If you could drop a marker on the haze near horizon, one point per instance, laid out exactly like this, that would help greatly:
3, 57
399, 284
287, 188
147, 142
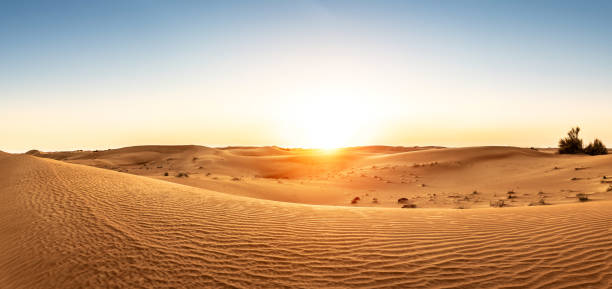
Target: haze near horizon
302, 73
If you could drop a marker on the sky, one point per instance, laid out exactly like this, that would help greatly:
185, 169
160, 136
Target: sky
108, 74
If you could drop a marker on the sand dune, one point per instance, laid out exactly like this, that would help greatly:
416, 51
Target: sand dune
71, 226
429, 177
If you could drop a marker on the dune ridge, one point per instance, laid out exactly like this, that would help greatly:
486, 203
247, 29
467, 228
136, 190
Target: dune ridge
71, 226
429, 177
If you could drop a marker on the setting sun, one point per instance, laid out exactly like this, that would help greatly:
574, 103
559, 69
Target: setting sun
327, 123
305, 144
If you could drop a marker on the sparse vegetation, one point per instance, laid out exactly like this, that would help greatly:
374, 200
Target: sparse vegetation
402, 201
497, 203
511, 194
182, 175
409, 206
596, 148
582, 197
165, 174
355, 200
541, 202
571, 144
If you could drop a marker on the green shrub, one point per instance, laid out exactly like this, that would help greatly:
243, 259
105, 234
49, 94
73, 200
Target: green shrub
571, 144
596, 148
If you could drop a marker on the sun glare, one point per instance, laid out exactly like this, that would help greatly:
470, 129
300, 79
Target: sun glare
326, 124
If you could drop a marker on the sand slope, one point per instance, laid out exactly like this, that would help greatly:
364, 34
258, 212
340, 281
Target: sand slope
71, 226
429, 177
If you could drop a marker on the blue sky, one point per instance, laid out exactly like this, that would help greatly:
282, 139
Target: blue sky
86, 74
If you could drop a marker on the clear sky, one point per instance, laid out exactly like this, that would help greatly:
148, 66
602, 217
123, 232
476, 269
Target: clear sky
106, 74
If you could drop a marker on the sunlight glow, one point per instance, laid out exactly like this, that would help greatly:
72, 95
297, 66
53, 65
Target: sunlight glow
326, 123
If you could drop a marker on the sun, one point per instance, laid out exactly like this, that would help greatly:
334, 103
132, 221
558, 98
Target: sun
326, 124
328, 133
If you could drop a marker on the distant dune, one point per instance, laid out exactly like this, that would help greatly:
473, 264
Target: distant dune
428, 177
71, 226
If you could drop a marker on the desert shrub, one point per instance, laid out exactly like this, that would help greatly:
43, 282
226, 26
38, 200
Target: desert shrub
497, 203
355, 200
596, 148
402, 201
541, 202
182, 175
409, 206
582, 197
511, 194
571, 144
165, 174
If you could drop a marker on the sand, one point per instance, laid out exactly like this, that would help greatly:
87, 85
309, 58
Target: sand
66, 225
428, 177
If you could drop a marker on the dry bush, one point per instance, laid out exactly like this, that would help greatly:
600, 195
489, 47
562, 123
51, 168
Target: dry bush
511, 195
541, 202
182, 175
582, 197
571, 144
596, 148
402, 201
497, 203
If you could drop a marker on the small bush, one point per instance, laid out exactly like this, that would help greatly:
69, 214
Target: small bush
497, 204
582, 197
165, 174
402, 201
596, 148
571, 144
409, 206
182, 175
541, 202
511, 195
355, 200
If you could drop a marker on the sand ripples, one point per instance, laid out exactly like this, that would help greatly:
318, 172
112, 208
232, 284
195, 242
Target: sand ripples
68, 226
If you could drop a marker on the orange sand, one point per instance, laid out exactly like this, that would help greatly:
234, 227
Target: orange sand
66, 225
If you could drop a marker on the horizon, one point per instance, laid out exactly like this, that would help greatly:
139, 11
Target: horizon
274, 146
303, 74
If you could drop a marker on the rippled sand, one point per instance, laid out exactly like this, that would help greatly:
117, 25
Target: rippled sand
71, 226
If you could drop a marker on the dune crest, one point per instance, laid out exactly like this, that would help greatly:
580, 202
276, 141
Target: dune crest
71, 226
428, 177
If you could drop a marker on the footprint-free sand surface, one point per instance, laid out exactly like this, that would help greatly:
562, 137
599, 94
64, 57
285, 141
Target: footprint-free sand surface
427, 177
65, 225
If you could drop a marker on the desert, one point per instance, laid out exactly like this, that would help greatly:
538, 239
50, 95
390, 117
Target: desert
312, 144
112, 219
